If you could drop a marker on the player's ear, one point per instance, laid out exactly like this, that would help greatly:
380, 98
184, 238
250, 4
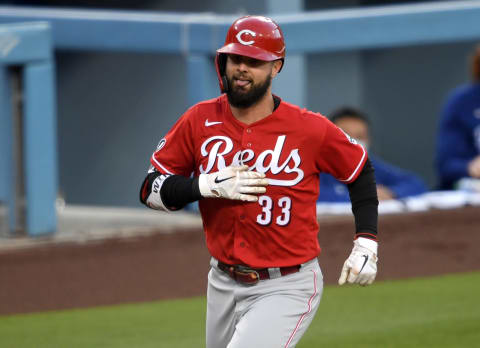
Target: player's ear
277, 65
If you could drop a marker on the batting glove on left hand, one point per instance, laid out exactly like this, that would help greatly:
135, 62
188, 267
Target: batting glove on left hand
361, 265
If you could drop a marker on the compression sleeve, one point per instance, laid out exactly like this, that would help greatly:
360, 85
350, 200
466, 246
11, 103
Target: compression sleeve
177, 191
168, 192
363, 195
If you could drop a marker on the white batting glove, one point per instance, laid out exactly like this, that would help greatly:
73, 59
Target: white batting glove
237, 183
361, 265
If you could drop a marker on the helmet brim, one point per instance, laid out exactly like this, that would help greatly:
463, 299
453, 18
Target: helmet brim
250, 51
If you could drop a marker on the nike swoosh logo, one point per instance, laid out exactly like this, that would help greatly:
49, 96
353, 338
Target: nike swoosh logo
213, 123
364, 263
219, 181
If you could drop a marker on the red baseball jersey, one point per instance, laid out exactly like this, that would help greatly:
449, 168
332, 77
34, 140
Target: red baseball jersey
291, 146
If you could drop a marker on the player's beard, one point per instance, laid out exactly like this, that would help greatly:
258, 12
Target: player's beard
239, 98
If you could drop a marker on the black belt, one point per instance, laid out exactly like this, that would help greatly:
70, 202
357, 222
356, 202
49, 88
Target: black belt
251, 276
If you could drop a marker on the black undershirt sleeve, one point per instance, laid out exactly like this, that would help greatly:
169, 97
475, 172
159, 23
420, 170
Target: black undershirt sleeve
363, 195
177, 191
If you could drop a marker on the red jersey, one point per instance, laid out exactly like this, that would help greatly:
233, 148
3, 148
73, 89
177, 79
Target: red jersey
291, 146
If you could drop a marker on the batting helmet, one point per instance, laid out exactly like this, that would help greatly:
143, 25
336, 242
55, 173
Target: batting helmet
252, 36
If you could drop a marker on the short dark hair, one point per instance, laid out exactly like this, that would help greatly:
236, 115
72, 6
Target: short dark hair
476, 64
348, 111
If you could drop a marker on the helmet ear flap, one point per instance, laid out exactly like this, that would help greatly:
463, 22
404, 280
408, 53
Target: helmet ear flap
220, 66
225, 84
283, 63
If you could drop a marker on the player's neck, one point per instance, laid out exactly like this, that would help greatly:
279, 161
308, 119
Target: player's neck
256, 112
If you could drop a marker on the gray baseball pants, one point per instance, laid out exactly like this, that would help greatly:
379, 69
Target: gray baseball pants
273, 313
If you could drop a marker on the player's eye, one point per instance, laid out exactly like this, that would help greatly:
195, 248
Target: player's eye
235, 59
253, 62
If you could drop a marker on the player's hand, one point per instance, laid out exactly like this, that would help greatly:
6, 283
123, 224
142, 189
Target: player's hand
384, 193
361, 265
237, 183
474, 167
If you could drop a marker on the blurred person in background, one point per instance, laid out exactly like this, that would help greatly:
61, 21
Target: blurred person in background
458, 138
392, 182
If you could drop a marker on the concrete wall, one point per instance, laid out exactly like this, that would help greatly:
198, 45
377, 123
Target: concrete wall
334, 79
404, 91
113, 108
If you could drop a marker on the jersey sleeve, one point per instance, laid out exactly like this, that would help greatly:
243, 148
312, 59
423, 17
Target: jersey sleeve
175, 152
340, 155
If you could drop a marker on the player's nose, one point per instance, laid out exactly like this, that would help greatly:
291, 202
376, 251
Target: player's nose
242, 65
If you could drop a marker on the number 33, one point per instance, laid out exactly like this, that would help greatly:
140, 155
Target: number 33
265, 218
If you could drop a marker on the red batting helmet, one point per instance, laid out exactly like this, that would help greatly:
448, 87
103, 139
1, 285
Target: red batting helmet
252, 36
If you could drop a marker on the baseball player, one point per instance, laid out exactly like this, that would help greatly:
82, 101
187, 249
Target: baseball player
252, 161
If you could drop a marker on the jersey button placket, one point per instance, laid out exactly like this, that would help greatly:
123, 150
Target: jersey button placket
241, 218
238, 241
246, 138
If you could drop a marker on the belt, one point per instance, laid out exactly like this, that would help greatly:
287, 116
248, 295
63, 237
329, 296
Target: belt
251, 276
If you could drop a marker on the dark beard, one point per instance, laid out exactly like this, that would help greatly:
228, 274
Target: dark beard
239, 99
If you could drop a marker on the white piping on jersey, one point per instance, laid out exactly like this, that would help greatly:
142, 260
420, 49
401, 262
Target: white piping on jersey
358, 166
158, 163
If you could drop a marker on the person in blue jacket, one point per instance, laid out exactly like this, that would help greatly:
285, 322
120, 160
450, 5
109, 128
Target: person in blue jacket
458, 137
392, 182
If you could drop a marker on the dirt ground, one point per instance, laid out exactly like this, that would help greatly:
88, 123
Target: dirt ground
175, 265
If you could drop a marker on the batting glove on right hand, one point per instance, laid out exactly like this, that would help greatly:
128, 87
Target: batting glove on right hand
361, 265
237, 183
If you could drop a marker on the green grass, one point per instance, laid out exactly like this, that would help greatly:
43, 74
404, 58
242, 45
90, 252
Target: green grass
427, 312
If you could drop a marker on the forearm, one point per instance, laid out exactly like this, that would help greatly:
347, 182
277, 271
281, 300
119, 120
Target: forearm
169, 192
363, 195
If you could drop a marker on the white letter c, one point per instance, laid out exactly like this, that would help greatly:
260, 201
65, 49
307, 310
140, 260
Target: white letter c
245, 31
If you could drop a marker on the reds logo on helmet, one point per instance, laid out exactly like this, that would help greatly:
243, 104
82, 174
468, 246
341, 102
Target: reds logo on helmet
245, 31
251, 36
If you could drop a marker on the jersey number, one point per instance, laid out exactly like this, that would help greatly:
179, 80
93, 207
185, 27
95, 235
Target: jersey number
265, 218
